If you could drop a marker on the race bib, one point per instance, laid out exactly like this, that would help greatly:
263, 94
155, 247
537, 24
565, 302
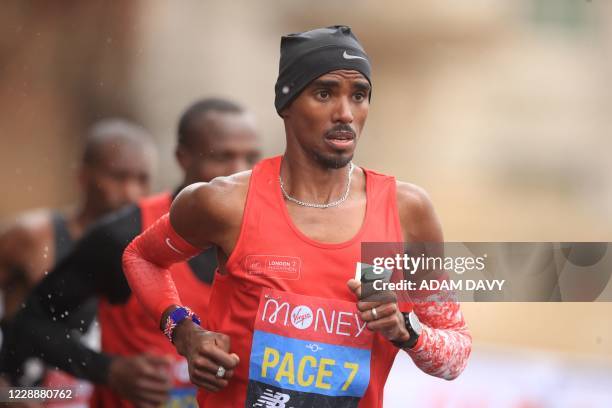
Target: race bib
182, 398
308, 352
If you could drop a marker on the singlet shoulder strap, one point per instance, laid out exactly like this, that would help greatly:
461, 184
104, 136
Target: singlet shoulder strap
383, 198
259, 195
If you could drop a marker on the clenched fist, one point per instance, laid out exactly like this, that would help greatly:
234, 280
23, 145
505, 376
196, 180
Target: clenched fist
381, 316
205, 352
143, 379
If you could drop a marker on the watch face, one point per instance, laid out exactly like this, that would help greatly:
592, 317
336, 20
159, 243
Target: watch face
415, 323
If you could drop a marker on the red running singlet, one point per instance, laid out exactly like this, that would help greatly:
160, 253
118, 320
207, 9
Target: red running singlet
286, 307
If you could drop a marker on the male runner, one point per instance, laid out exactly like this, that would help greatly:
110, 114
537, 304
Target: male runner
116, 169
283, 329
215, 137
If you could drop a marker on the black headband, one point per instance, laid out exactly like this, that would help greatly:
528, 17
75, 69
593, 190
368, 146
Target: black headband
308, 55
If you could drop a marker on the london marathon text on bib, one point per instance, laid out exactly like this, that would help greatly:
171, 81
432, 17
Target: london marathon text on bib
308, 352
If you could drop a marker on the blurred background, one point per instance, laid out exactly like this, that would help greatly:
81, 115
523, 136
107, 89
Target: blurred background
501, 110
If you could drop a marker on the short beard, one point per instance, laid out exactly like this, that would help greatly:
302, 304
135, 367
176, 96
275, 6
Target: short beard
332, 161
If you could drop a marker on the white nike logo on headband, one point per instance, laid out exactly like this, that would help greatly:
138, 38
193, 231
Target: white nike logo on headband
348, 56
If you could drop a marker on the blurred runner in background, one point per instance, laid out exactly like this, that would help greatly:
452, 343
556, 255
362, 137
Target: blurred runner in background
116, 169
216, 137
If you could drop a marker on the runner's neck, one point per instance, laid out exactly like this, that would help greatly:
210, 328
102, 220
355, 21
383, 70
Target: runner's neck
308, 181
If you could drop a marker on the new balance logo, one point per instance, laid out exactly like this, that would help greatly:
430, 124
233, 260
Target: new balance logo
271, 399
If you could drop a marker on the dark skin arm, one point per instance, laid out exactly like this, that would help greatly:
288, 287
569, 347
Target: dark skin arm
419, 224
218, 207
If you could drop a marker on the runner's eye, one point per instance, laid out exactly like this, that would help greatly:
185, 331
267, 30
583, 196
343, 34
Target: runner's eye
323, 94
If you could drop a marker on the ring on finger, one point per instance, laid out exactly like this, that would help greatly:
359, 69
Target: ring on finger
374, 313
220, 372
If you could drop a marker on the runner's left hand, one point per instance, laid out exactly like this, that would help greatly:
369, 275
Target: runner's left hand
389, 321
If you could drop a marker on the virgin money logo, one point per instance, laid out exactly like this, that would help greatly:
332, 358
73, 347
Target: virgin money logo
301, 317
320, 319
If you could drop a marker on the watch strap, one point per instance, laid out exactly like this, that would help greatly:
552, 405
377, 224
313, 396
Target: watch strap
414, 336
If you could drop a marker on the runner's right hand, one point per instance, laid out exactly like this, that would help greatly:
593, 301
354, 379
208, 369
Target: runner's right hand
205, 351
144, 379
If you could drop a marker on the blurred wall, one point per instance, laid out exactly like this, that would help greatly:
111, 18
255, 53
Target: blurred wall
501, 110
62, 66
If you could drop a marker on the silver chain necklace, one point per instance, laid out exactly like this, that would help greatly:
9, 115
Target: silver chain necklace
317, 205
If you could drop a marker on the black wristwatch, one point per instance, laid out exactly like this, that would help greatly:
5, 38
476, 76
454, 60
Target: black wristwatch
413, 325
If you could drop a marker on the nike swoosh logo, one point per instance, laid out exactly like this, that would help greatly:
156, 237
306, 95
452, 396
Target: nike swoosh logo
348, 56
172, 246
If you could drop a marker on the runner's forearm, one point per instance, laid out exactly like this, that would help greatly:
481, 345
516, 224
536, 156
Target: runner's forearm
59, 346
445, 343
146, 261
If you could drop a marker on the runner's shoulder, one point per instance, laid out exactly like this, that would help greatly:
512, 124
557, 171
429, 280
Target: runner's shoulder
218, 199
412, 198
417, 215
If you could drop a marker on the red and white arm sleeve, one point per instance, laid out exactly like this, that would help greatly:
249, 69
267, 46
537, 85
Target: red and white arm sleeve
146, 261
445, 343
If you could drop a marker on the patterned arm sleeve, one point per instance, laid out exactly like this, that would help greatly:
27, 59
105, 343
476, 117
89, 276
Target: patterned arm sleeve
445, 342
